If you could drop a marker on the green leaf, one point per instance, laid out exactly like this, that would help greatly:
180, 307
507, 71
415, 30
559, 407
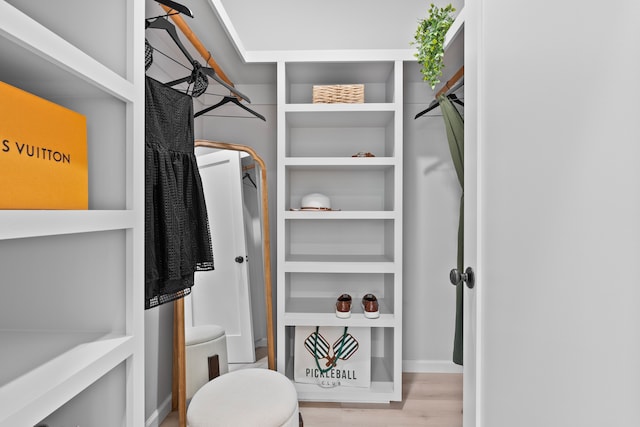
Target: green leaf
429, 40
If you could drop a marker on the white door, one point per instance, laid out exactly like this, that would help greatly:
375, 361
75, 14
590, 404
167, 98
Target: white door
222, 296
554, 312
470, 256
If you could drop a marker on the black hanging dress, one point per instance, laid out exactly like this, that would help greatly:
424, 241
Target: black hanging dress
177, 236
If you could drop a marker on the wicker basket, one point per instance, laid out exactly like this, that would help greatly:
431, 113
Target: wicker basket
338, 94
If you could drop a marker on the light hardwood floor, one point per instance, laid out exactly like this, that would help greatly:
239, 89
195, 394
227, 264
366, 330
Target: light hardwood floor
429, 400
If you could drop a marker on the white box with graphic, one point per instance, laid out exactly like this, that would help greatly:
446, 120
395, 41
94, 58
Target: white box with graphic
333, 356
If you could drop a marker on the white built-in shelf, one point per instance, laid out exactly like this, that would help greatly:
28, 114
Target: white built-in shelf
453, 48
344, 163
339, 115
340, 259
32, 40
338, 108
36, 48
455, 30
381, 389
35, 223
302, 310
26, 350
330, 319
356, 248
324, 72
72, 311
49, 367
341, 214
301, 264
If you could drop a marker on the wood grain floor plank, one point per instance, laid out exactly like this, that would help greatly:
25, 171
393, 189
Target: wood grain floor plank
429, 400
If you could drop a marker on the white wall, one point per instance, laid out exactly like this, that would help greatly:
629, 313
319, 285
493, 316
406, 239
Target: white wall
158, 362
431, 203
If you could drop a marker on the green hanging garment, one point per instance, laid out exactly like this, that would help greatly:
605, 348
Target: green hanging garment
454, 124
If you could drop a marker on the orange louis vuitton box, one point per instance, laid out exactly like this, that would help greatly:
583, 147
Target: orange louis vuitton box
43, 153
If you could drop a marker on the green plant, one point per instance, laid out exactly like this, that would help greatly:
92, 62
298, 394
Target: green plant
429, 39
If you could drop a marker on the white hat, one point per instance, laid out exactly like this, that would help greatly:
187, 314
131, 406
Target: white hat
315, 201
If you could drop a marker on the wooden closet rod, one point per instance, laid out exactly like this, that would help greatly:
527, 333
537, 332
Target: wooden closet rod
180, 23
453, 80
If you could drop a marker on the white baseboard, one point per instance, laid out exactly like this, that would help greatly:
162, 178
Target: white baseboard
156, 418
431, 366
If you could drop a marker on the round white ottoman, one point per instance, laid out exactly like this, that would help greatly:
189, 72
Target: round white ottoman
201, 343
254, 397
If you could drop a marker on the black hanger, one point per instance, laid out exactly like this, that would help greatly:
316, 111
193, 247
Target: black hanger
226, 100
162, 24
197, 78
435, 103
177, 7
455, 99
246, 175
211, 73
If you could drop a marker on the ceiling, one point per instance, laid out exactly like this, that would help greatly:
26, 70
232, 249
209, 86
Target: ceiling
278, 25
246, 37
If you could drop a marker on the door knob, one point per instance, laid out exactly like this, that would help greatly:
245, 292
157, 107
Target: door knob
239, 259
468, 277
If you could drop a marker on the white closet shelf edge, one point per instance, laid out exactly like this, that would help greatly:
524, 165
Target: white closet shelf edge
362, 107
28, 33
455, 30
343, 55
36, 394
16, 224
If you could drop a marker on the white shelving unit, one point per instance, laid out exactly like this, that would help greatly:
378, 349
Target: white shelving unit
358, 248
72, 306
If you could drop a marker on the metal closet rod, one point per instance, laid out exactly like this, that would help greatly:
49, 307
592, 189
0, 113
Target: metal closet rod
197, 44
